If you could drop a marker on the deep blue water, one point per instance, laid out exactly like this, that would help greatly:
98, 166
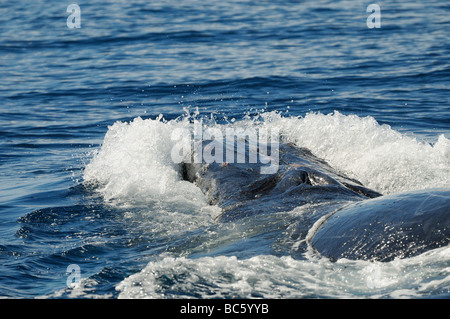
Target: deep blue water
61, 88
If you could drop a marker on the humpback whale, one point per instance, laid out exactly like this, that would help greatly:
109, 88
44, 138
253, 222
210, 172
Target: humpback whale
359, 224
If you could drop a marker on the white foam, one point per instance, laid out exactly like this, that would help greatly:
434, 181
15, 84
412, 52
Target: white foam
134, 164
380, 157
268, 276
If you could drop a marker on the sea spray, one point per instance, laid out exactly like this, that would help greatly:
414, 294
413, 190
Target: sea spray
135, 160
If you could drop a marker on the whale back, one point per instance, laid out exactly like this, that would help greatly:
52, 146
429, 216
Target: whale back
381, 229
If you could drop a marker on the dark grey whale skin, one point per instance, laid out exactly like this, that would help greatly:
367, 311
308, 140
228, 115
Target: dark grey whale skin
382, 229
241, 190
374, 227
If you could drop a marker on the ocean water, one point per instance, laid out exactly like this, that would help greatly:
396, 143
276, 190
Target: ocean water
86, 177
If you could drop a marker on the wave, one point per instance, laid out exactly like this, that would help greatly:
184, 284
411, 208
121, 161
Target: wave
134, 163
